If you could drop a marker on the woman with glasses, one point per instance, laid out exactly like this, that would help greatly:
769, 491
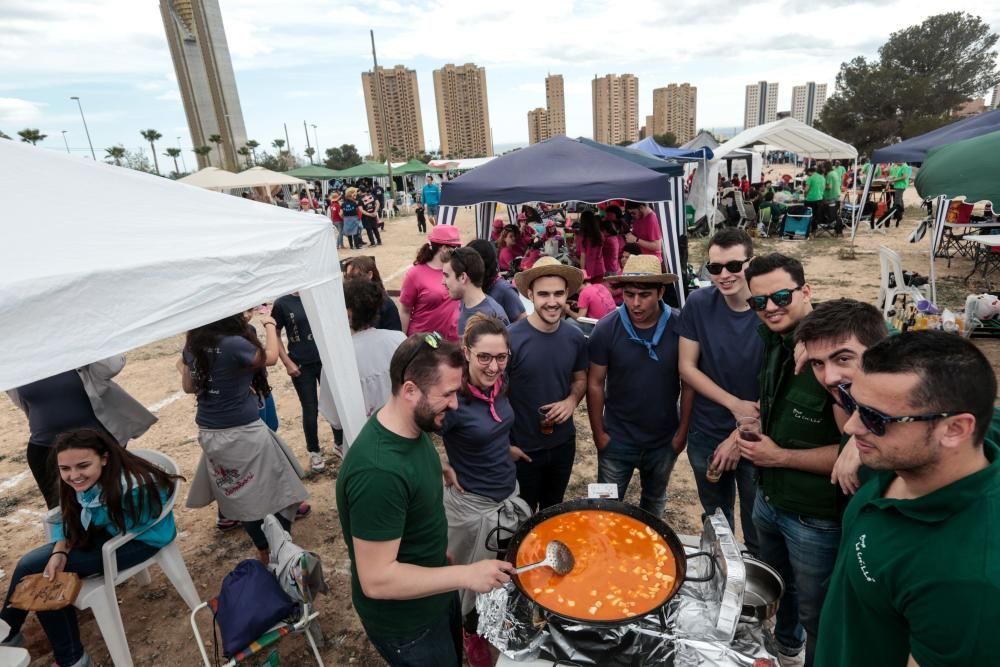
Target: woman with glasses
480, 476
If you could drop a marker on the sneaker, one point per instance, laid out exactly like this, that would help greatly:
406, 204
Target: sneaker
303, 510
317, 462
797, 660
85, 661
338, 449
222, 523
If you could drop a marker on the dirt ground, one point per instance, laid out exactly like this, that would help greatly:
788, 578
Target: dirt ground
155, 617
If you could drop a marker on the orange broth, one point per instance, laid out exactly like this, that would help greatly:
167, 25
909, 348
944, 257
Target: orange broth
622, 566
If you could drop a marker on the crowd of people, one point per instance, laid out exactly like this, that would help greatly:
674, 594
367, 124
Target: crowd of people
866, 465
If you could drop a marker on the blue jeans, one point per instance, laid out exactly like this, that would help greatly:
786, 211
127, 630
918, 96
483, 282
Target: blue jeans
617, 462
61, 625
438, 645
722, 494
803, 550
339, 226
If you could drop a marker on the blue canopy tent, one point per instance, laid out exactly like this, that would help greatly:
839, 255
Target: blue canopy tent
561, 169
649, 146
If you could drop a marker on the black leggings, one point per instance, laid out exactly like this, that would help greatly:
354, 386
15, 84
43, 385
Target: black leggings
371, 226
255, 529
44, 473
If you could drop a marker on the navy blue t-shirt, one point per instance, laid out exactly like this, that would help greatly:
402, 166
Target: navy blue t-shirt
289, 315
730, 353
349, 208
487, 307
229, 400
55, 405
541, 372
507, 296
640, 399
388, 317
478, 446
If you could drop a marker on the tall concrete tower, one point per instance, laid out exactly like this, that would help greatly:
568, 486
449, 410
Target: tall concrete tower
204, 69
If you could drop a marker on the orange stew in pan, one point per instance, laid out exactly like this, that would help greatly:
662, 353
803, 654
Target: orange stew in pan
623, 567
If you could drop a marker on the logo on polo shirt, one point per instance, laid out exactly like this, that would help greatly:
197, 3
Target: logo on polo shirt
799, 414
859, 548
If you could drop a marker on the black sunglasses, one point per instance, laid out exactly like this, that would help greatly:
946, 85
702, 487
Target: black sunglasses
781, 298
432, 339
735, 266
874, 420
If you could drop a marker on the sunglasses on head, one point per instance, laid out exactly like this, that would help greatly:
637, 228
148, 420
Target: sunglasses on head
873, 420
781, 298
432, 340
735, 266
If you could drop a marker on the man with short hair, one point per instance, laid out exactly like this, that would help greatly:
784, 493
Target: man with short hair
430, 196
645, 229
390, 501
720, 357
899, 179
368, 208
633, 386
815, 189
462, 275
548, 379
795, 513
915, 582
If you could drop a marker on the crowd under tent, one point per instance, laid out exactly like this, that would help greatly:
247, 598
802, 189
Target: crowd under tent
559, 170
95, 279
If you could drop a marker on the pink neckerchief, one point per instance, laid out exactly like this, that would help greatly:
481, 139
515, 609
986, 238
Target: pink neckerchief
474, 390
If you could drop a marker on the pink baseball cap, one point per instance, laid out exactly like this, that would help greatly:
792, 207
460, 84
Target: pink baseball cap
521, 216
445, 235
497, 223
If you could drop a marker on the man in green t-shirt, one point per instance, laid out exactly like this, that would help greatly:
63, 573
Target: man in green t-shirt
815, 187
831, 198
899, 179
391, 505
916, 578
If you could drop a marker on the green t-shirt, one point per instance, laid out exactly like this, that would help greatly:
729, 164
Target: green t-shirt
815, 185
917, 577
900, 176
832, 192
390, 487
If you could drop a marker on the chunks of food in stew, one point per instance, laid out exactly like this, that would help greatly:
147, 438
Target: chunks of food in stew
623, 567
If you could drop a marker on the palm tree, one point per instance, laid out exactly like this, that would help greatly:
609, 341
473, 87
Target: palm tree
116, 153
278, 144
253, 145
31, 135
174, 153
245, 152
217, 140
202, 151
309, 153
4, 135
152, 136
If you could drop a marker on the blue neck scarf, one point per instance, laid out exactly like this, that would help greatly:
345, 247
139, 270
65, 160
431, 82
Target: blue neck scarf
661, 325
89, 500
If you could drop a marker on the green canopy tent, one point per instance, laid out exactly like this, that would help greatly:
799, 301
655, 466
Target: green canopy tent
363, 170
970, 167
314, 172
414, 167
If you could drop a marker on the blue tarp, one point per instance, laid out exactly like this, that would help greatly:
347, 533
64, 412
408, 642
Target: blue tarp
668, 167
553, 171
650, 147
915, 149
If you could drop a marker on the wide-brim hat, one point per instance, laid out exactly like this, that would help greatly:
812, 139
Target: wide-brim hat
445, 235
979, 208
642, 269
549, 266
335, 195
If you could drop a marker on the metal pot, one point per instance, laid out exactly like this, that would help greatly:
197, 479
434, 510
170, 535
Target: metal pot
764, 588
670, 538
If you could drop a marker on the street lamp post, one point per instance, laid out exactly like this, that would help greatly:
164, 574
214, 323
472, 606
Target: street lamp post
183, 161
316, 140
85, 128
65, 142
371, 144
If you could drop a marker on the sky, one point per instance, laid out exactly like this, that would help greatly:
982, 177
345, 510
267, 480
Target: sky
301, 60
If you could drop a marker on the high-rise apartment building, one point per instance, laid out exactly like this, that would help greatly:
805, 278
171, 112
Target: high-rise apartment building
808, 101
616, 108
761, 104
538, 125
463, 111
198, 47
555, 105
674, 110
394, 120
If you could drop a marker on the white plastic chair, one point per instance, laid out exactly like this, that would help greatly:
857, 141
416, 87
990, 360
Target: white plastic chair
890, 264
97, 593
11, 656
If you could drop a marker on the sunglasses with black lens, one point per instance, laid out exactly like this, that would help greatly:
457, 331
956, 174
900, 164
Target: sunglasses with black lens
873, 420
735, 266
781, 298
432, 340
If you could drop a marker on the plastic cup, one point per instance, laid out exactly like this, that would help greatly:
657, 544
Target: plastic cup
546, 423
749, 428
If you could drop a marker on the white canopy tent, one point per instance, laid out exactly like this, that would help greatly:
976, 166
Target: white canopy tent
122, 259
259, 176
213, 178
461, 165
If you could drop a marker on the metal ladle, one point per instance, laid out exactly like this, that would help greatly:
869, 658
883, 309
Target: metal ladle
557, 556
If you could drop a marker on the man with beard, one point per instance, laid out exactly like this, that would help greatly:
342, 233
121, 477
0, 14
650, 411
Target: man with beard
548, 378
390, 501
915, 582
795, 513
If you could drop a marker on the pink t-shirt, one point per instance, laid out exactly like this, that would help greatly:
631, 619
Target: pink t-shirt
505, 257
597, 299
612, 252
591, 257
647, 228
432, 309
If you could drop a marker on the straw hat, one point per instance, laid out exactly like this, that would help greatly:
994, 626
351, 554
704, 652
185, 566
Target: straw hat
642, 269
549, 266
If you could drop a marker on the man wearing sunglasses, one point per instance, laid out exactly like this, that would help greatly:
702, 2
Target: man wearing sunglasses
391, 505
916, 578
795, 513
719, 356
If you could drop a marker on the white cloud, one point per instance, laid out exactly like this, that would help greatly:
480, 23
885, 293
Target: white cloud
15, 111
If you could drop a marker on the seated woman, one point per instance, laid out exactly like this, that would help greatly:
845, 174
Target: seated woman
103, 491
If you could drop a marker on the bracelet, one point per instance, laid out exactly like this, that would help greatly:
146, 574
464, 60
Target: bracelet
59, 553
272, 324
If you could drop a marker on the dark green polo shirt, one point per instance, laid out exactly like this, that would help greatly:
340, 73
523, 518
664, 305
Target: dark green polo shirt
797, 413
918, 577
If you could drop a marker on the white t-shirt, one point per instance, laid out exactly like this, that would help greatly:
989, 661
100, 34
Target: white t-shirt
373, 350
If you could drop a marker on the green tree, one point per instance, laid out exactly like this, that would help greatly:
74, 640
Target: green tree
174, 153
342, 157
279, 144
116, 153
202, 152
667, 139
152, 136
253, 146
245, 153
309, 153
4, 135
622, 143
217, 140
921, 74
30, 135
